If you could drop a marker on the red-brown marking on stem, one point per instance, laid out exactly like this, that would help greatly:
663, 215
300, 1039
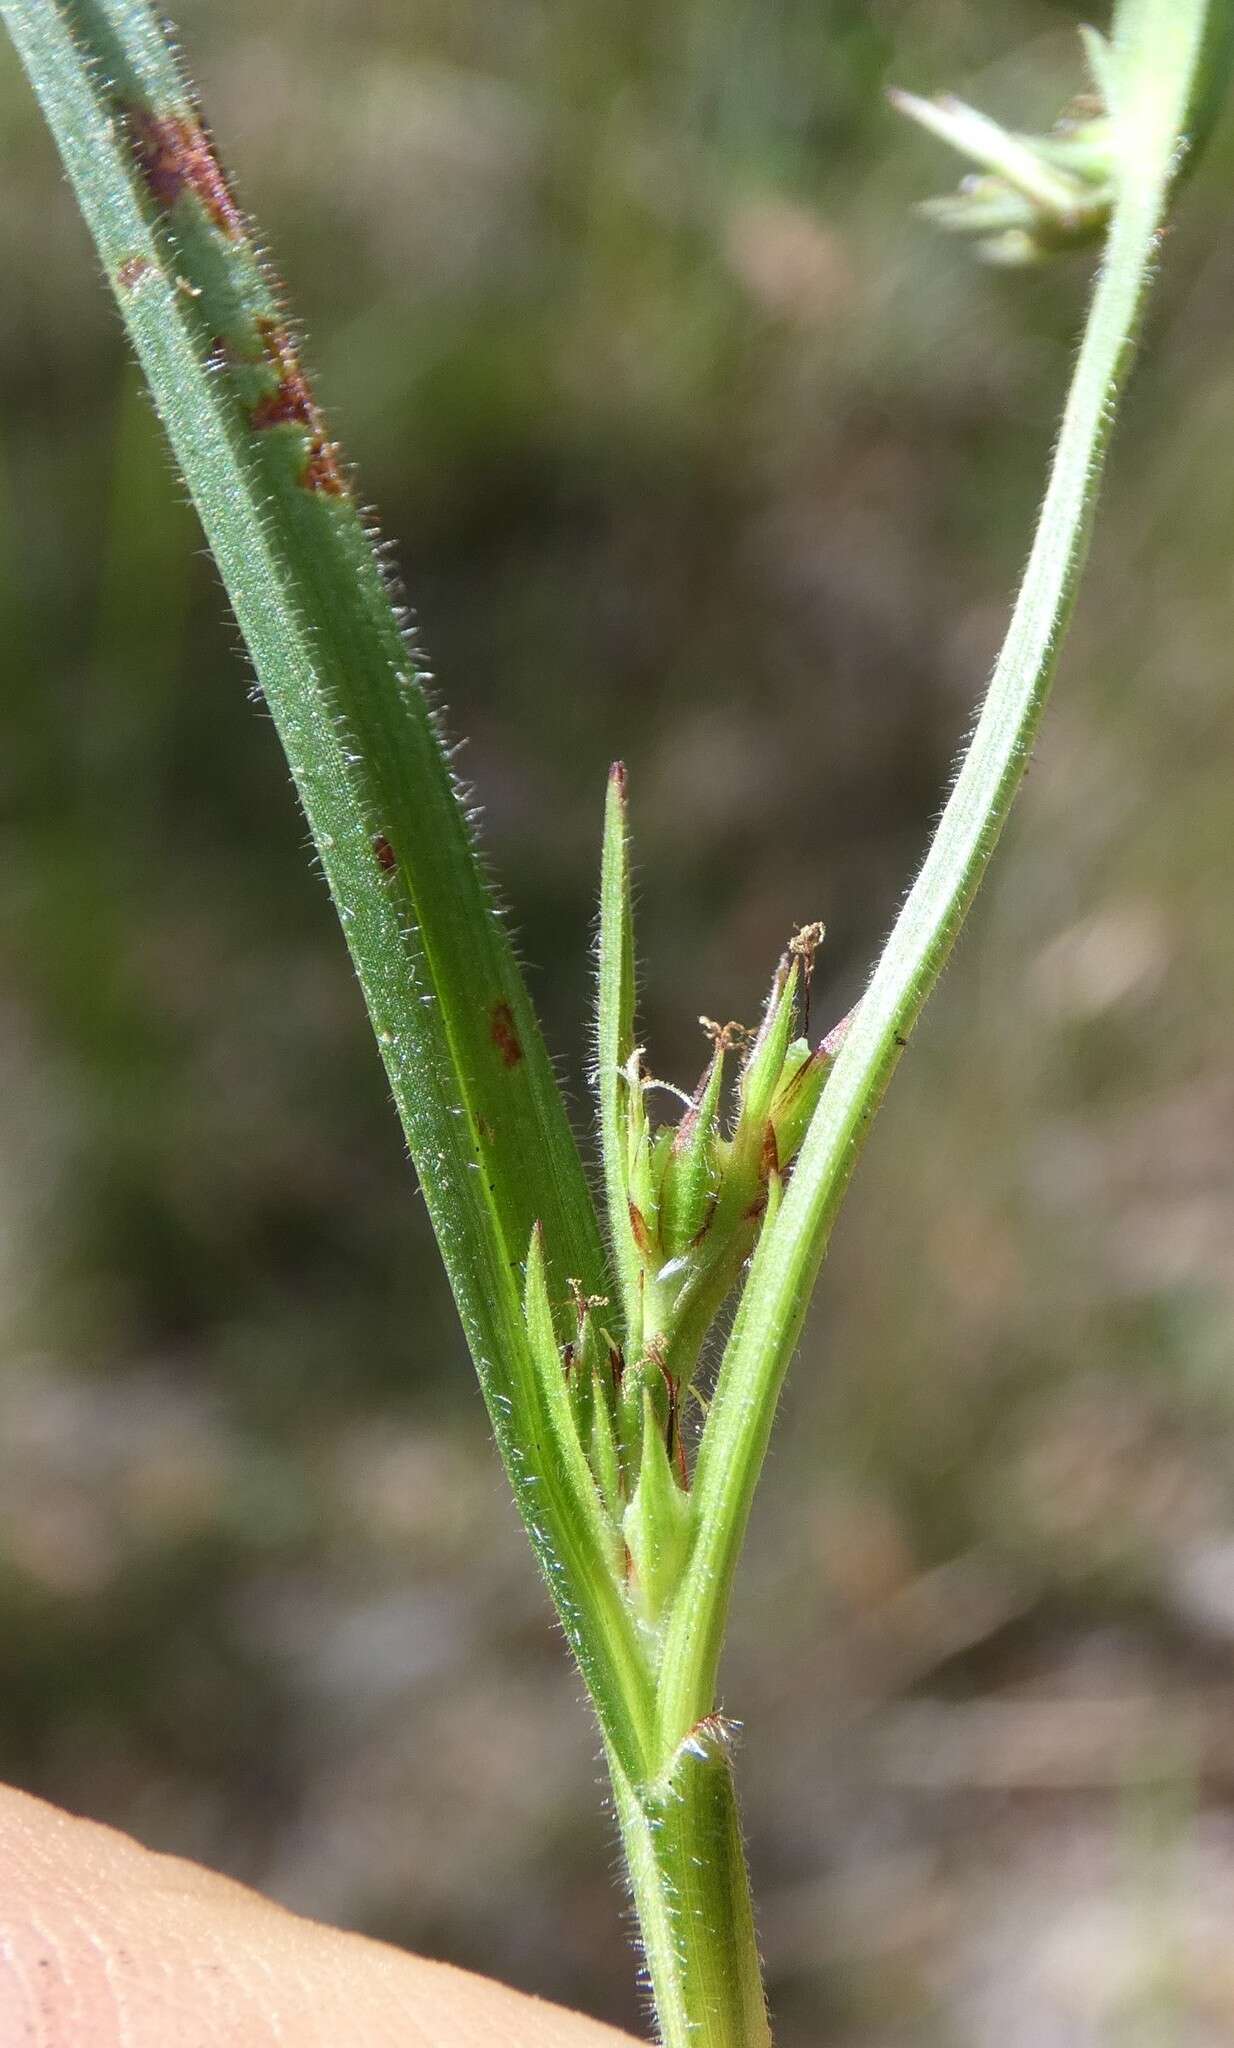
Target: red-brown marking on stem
387, 859
291, 404
673, 1441
684, 1134
770, 1162
707, 1737
131, 272
176, 157
701, 1233
503, 1031
639, 1230
837, 1035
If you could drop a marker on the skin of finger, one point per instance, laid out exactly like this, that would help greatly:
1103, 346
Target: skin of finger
104, 1944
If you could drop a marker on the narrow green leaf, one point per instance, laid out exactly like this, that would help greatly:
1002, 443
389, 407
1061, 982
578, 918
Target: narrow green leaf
549, 1441
1099, 58
469, 1072
547, 1357
617, 1081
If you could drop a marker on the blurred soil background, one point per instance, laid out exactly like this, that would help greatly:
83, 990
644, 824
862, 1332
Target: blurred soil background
699, 449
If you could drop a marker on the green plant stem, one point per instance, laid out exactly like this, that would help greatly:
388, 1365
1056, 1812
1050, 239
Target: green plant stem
1157, 49
687, 1868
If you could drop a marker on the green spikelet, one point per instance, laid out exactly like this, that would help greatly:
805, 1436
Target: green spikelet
656, 1524
764, 1067
691, 1170
622, 1120
797, 1097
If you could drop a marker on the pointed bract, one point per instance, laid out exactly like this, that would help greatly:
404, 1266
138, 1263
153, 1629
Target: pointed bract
691, 1167
616, 1055
797, 1098
605, 1462
764, 1066
538, 1316
656, 1525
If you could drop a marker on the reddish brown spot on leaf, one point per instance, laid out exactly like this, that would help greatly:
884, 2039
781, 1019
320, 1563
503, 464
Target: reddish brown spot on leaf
321, 472
386, 856
131, 272
291, 404
176, 157
504, 1033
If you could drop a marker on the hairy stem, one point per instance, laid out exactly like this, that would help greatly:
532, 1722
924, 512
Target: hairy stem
1156, 53
687, 1870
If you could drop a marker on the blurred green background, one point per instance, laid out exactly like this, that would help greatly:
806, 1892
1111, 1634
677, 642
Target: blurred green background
699, 449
